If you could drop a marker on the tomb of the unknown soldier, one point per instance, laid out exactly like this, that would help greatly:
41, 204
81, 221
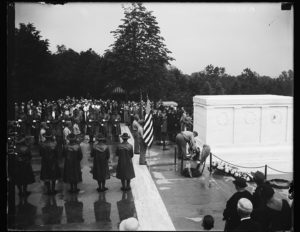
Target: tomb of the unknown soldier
249, 130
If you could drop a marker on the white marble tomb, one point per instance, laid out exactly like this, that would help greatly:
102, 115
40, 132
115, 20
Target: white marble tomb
248, 130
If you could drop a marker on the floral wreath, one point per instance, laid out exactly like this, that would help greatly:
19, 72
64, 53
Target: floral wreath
230, 170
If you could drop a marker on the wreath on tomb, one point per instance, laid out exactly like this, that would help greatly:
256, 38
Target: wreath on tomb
222, 168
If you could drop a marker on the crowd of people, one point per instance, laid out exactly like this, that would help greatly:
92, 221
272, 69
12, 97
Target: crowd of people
260, 211
66, 129
94, 116
71, 128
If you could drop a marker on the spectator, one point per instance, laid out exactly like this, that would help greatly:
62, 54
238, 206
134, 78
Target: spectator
67, 130
76, 129
244, 209
230, 213
135, 127
43, 129
276, 214
208, 222
259, 179
129, 224
164, 128
142, 144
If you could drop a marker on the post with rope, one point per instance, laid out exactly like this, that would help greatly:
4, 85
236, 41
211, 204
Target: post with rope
181, 166
175, 155
210, 163
266, 167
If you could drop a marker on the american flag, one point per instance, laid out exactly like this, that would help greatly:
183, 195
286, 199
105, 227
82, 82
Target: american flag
148, 126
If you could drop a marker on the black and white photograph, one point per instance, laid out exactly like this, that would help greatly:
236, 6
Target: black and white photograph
150, 116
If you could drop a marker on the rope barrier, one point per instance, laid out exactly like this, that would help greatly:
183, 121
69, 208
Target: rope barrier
277, 170
235, 164
249, 167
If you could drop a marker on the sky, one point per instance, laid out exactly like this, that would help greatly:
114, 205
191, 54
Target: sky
259, 36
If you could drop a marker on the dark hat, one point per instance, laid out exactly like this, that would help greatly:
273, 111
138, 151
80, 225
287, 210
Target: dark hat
71, 137
240, 182
258, 176
48, 134
100, 137
125, 136
267, 191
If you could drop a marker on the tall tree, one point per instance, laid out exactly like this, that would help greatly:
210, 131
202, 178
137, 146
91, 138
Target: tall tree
140, 54
207, 89
32, 62
219, 88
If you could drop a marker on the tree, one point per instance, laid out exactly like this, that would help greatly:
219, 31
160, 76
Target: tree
236, 87
32, 62
140, 56
249, 81
219, 88
207, 89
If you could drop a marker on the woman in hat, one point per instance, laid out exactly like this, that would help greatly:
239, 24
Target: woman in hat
23, 174
260, 180
50, 170
276, 214
101, 154
72, 169
230, 213
125, 171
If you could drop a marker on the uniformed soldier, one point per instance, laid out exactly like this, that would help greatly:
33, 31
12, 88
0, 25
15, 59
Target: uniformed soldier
101, 154
23, 173
49, 165
72, 168
125, 171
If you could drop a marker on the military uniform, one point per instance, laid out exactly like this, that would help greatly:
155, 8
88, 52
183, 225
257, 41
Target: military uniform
101, 154
23, 173
72, 169
50, 171
125, 169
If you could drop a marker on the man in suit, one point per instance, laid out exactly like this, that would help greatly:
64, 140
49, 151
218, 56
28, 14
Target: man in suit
230, 214
244, 209
182, 139
135, 127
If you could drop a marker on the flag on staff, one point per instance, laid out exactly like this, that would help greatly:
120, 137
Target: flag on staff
148, 126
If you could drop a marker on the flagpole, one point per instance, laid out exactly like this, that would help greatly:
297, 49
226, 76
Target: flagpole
149, 158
